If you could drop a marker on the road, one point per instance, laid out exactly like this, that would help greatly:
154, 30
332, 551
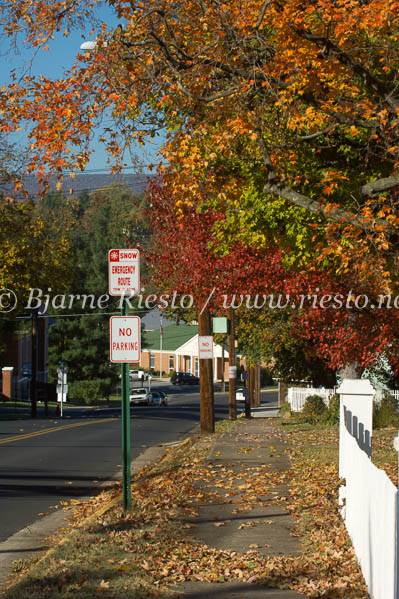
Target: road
44, 462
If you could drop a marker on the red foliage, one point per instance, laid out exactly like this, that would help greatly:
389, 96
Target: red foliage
323, 309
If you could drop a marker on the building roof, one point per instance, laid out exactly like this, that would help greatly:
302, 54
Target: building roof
174, 336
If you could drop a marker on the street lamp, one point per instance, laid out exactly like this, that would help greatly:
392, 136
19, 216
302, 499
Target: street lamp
88, 46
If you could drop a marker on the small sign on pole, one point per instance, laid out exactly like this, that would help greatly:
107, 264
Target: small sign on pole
125, 339
205, 347
232, 372
123, 272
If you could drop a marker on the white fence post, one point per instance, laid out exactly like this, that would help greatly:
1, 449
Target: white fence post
371, 509
396, 446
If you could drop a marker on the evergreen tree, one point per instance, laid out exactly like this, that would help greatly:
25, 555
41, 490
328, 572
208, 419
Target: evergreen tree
105, 220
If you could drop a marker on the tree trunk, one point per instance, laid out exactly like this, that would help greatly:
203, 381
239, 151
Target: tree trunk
350, 371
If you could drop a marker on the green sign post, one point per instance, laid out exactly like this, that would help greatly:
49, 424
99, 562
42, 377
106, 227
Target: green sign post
124, 281
126, 470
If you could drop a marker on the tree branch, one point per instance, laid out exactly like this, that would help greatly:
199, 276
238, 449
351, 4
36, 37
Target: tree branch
262, 14
276, 187
344, 58
380, 185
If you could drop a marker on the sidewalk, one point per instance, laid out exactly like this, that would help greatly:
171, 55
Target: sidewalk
208, 521
251, 515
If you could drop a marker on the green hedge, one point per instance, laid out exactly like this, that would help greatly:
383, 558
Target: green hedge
385, 413
89, 391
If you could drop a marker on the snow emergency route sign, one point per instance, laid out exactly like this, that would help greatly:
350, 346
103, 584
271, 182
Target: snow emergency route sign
125, 338
123, 272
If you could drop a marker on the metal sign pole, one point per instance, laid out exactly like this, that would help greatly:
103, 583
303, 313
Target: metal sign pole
124, 282
62, 386
126, 470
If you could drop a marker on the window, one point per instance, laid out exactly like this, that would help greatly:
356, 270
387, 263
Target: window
152, 361
189, 364
196, 366
171, 362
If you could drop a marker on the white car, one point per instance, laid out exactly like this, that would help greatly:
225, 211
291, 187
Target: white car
137, 375
241, 393
141, 396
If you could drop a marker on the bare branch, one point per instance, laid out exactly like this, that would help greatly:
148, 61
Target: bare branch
262, 14
318, 134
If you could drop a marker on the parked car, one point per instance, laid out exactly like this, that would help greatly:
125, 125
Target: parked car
241, 393
137, 375
159, 398
184, 378
141, 396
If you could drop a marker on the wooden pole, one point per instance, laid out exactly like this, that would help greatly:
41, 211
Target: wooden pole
33, 394
232, 364
251, 379
257, 385
248, 394
222, 377
207, 416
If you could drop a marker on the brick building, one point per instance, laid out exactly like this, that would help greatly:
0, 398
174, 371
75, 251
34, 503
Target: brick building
179, 351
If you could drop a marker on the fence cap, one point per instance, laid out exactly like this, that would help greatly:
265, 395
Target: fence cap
8, 368
356, 387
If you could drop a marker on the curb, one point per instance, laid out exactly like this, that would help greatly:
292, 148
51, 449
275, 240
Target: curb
102, 510
53, 523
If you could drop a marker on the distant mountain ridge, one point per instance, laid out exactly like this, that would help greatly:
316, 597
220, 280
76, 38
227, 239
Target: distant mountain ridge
89, 182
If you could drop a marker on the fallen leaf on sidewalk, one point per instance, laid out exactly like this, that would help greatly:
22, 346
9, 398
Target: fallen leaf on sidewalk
103, 585
218, 524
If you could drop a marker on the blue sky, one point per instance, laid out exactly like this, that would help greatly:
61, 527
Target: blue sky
61, 56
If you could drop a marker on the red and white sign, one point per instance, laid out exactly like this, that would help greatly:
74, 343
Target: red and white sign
205, 347
125, 338
123, 272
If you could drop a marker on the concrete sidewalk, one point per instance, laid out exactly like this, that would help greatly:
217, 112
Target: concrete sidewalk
251, 464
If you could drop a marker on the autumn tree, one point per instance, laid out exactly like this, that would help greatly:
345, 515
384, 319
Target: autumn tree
310, 91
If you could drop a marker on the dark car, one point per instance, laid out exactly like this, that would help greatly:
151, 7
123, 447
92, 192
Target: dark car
159, 398
184, 378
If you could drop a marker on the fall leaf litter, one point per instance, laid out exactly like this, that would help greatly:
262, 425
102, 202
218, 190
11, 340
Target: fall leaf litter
255, 486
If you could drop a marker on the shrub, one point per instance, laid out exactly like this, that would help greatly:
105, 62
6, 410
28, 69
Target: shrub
386, 413
285, 411
90, 391
332, 413
314, 409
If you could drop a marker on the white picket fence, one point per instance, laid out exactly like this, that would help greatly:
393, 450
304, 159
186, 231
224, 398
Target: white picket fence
395, 393
370, 507
297, 396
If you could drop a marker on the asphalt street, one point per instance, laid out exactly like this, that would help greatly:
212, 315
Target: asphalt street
44, 462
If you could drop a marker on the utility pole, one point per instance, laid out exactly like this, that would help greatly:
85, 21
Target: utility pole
160, 345
257, 385
232, 368
32, 390
251, 380
207, 416
222, 377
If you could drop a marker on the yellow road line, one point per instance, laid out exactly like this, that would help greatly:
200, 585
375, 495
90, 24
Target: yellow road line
53, 430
